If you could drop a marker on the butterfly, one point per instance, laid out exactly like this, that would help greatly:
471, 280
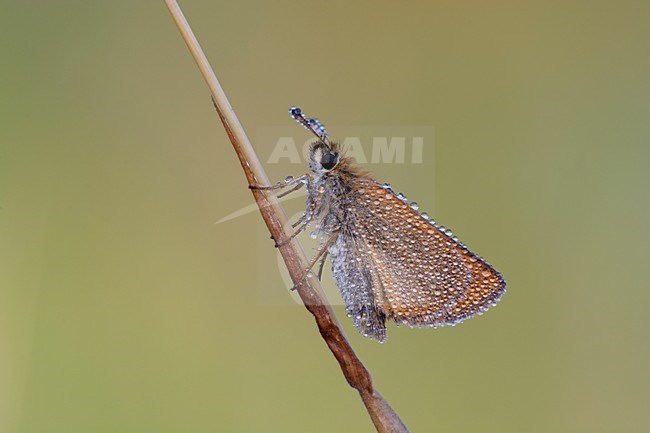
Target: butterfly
389, 261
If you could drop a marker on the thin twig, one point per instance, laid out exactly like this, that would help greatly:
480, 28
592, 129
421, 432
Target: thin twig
382, 415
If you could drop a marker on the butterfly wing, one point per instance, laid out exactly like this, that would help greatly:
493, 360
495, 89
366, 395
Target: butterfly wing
390, 262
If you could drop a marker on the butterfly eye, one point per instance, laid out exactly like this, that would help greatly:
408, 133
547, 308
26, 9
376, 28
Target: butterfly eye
328, 160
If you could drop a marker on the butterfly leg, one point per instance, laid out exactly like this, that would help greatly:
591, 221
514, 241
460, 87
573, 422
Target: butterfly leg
321, 254
303, 222
322, 264
300, 221
295, 188
300, 180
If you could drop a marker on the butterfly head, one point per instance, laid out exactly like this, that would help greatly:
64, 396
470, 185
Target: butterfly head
323, 157
323, 154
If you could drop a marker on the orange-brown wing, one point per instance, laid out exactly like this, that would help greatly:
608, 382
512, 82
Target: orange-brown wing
418, 273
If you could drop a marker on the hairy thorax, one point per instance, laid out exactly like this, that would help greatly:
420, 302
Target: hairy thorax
327, 197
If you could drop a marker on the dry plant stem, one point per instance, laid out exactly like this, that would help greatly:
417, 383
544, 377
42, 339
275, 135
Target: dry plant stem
382, 415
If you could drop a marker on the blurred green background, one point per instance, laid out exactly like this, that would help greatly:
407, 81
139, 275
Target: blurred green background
124, 308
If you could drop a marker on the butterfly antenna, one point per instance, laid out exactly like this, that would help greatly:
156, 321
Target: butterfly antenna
310, 124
